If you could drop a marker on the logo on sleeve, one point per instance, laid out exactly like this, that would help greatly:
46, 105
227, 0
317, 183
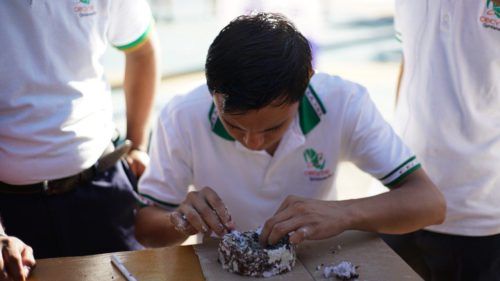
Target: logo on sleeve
316, 165
84, 8
491, 15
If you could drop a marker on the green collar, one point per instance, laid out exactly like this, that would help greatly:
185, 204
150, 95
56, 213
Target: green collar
310, 111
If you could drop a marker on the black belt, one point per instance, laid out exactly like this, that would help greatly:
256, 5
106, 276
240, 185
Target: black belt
59, 186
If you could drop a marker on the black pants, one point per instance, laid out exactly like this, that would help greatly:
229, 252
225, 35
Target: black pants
91, 219
442, 257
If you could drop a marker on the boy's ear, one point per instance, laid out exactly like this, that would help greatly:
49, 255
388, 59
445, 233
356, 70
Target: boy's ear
218, 100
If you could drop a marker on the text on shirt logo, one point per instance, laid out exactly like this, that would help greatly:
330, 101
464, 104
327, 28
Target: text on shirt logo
315, 165
84, 8
491, 15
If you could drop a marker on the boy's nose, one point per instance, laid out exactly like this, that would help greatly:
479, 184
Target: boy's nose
253, 141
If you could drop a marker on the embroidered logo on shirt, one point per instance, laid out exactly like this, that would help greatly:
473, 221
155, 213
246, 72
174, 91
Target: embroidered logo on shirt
491, 15
315, 165
84, 8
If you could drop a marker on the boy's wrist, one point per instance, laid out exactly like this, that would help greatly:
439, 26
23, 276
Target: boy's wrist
351, 216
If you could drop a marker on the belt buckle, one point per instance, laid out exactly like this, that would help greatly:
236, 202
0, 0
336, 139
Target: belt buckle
46, 186
48, 189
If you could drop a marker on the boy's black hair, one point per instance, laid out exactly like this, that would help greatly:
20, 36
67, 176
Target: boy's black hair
258, 60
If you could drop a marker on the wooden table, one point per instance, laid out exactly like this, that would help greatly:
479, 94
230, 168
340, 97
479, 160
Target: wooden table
377, 261
169, 263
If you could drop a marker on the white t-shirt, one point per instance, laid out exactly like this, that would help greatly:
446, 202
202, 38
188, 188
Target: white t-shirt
336, 121
55, 104
449, 107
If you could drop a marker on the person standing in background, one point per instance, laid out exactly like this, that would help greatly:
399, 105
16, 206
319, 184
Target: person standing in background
448, 112
63, 189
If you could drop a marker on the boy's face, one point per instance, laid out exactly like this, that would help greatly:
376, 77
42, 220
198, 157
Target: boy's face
258, 129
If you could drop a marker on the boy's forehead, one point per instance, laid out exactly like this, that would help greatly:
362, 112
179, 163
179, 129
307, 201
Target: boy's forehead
278, 105
262, 119
219, 100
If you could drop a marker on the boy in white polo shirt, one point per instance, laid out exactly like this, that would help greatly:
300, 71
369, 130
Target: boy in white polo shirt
265, 131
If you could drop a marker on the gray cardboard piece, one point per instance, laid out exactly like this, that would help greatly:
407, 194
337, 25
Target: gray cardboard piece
375, 260
212, 270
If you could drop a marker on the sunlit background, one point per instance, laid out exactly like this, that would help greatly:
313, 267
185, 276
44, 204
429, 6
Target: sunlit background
352, 39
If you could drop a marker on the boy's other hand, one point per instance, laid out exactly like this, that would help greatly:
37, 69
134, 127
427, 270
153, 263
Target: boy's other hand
137, 160
303, 219
202, 211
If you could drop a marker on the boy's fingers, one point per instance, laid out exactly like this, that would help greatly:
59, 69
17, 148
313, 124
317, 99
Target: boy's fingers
12, 261
26, 271
3, 274
27, 256
209, 216
284, 228
194, 218
220, 209
300, 235
271, 224
181, 224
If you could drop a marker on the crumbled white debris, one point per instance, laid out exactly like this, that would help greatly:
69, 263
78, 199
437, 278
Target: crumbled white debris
259, 230
344, 270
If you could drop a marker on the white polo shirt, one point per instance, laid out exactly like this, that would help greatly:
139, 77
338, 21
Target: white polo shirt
55, 104
336, 121
449, 107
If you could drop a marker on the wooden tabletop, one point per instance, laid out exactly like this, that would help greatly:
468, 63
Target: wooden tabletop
169, 263
376, 260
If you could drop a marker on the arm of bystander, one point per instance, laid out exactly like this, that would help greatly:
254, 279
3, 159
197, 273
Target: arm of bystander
141, 81
16, 259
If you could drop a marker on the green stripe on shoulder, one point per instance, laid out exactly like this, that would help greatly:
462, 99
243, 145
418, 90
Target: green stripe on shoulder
317, 98
139, 40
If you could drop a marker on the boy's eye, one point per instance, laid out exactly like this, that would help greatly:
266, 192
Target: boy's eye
234, 127
273, 129
266, 131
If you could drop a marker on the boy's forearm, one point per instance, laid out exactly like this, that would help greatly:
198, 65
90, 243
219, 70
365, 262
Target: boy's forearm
142, 78
154, 229
416, 203
400, 77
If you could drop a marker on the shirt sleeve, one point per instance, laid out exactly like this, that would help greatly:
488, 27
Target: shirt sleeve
373, 145
167, 178
130, 24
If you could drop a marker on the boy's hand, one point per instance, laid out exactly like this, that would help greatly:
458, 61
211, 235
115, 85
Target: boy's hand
304, 219
16, 259
137, 160
202, 211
